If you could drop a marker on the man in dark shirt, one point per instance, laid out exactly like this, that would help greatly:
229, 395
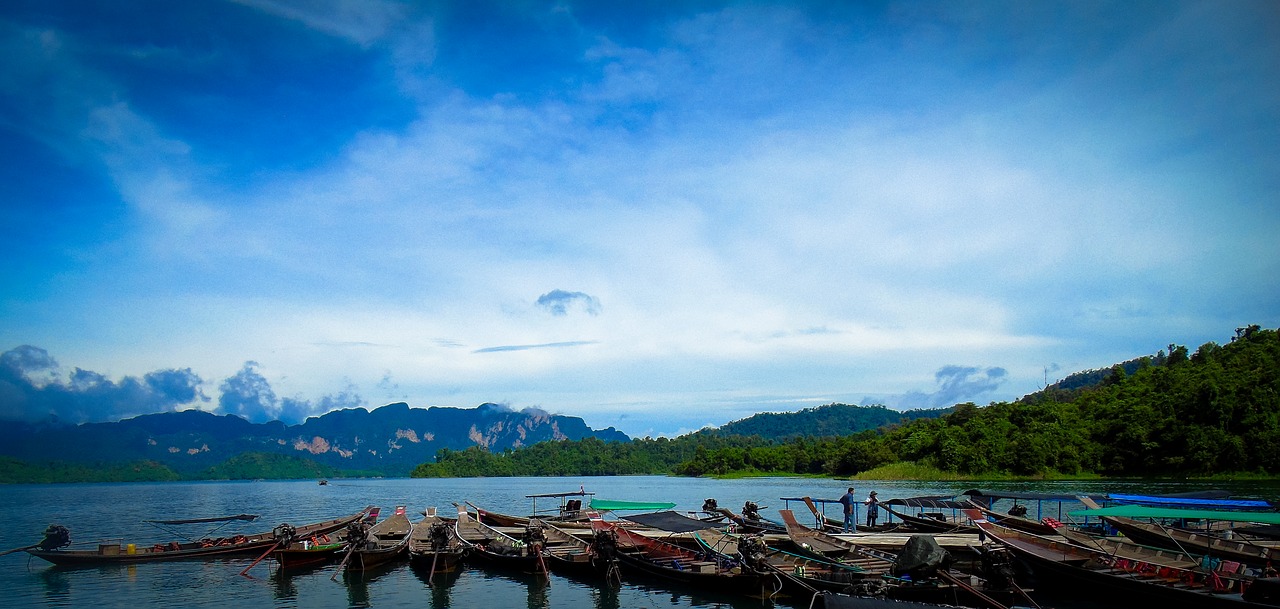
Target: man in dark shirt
850, 513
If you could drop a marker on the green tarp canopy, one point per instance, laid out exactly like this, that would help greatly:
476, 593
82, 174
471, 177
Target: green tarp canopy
604, 505
1142, 511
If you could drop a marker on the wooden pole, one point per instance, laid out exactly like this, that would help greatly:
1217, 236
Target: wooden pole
19, 549
343, 564
435, 555
264, 555
970, 589
545, 571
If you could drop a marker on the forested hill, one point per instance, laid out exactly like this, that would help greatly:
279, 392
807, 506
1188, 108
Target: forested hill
1213, 411
822, 421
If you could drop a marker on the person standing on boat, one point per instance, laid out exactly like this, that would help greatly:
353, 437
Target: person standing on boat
850, 502
873, 509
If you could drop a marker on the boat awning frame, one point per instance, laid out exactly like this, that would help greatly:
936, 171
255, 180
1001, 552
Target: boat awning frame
1142, 511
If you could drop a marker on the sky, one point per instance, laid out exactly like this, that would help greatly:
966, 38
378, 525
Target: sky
654, 216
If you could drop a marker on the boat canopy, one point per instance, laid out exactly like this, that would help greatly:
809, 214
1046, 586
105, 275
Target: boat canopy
605, 505
1142, 511
937, 502
1211, 503
670, 521
815, 500
578, 493
1026, 496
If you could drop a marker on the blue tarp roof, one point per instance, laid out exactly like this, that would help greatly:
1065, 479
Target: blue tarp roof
1192, 502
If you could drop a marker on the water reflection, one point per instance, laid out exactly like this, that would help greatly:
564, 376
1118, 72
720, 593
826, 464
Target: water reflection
57, 586
357, 583
606, 597
439, 585
283, 587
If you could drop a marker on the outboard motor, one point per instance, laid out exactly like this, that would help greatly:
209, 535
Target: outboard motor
55, 536
709, 505
752, 550
284, 534
357, 534
535, 538
439, 534
1018, 510
997, 568
751, 511
604, 545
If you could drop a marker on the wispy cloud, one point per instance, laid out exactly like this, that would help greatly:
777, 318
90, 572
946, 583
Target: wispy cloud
502, 348
560, 302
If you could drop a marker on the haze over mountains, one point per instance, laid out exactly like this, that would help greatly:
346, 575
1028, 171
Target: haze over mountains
390, 440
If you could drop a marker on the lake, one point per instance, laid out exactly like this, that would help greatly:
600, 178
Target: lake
96, 512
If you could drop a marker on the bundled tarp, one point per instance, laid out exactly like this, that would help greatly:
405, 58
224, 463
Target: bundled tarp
1142, 511
921, 557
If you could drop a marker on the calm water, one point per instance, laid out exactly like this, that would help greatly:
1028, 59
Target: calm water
113, 511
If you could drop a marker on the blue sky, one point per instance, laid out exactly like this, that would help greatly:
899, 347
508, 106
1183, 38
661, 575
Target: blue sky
656, 218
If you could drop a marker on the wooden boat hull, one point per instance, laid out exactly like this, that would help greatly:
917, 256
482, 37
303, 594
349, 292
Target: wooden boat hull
653, 558
486, 544
444, 554
445, 561
1200, 543
1014, 522
297, 557
363, 560
930, 525
566, 553
388, 541
1063, 565
117, 554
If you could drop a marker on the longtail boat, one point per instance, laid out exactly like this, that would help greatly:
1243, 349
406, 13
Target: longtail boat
1061, 563
639, 554
1124, 518
838, 561
813, 572
929, 513
115, 553
435, 545
369, 546
1120, 548
569, 511
303, 553
749, 521
1027, 511
565, 552
486, 543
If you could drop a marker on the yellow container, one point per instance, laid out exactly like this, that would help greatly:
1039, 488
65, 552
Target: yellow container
131, 549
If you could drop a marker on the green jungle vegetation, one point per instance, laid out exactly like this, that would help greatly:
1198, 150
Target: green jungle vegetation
1212, 412
247, 466
13, 471
252, 466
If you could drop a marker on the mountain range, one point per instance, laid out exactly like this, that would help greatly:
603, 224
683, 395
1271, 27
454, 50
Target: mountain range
389, 440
